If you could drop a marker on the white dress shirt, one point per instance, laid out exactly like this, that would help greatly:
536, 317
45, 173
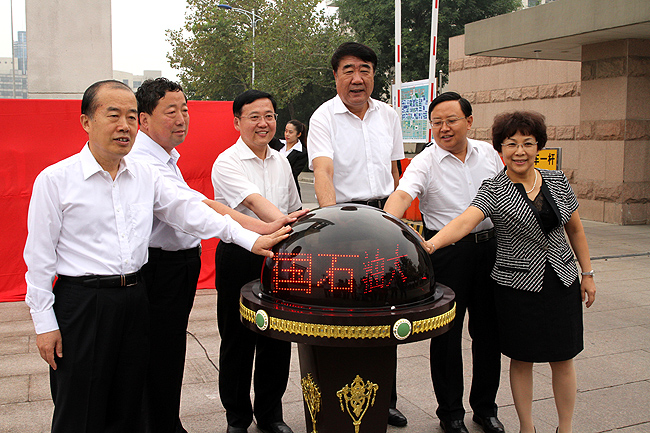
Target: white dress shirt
445, 185
361, 150
238, 173
297, 147
147, 151
82, 222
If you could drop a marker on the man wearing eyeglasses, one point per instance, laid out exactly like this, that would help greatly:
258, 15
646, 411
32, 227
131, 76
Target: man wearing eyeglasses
255, 180
355, 143
172, 271
446, 177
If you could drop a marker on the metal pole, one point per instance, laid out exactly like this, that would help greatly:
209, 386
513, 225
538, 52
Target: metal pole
254, 20
13, 56
253, 72
432, 59
398, 57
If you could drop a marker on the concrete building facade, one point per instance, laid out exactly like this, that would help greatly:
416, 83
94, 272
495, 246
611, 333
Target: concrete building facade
134, 81
69, 46
13, 84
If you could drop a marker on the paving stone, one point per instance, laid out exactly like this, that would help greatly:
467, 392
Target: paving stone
13, 312
14, 345
39, 387
14, 389
24, 363
31, 417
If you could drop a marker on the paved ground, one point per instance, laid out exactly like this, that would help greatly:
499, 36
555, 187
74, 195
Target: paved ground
613, 370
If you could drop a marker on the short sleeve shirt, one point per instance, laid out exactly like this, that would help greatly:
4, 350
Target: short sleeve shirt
238, 173
361, 149
446, 185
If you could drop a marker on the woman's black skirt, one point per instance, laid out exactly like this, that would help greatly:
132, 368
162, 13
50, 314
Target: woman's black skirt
544, 326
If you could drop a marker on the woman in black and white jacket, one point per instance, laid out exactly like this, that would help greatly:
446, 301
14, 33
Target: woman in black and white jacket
539, 296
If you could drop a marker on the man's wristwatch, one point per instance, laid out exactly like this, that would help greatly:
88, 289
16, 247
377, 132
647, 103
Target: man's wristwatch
588, 274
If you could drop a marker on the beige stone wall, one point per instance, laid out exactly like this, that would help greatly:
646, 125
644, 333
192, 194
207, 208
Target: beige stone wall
605, 141
497, 84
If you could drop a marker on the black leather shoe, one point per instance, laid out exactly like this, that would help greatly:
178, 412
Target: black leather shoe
490, 424
396, 418
232, 429
455, 426
275, 427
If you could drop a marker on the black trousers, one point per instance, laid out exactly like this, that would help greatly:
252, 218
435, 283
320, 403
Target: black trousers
97, 386
171, 278
234, 268
465, 267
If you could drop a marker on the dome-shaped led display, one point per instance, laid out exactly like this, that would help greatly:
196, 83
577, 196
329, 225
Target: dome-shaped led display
349, 256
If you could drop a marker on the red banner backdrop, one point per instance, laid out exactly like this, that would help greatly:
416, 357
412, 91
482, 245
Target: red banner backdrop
38, 133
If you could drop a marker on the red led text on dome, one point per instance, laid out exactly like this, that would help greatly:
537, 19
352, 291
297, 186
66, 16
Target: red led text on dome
293, 272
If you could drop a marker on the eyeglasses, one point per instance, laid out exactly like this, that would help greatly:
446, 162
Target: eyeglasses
437, 123
526, 145
255, 118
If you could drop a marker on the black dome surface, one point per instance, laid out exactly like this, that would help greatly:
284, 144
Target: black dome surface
349, 256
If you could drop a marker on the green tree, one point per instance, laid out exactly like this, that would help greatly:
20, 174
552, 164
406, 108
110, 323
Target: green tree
372, 22
293, 44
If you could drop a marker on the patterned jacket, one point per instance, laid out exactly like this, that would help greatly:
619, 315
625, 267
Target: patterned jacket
522, 246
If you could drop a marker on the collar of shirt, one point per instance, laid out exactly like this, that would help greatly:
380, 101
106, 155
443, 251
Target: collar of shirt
90, 166
149, 146
244, 152
340, 108
297, 147
440, 153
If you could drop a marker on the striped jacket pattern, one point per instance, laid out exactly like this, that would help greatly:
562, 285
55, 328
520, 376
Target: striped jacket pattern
522, 246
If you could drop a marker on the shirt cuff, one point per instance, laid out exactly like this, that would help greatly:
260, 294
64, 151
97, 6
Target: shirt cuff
45, 321
246, 238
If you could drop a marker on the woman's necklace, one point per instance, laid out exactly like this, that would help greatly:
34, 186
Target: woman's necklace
534, 183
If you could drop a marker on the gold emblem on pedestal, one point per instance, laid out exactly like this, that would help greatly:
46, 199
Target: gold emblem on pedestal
311, 393
357, 398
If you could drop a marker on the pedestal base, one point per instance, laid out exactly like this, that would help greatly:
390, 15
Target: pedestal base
347, 389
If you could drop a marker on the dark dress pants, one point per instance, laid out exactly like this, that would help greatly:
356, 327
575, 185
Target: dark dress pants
234, 268
171, 278
465, 267
97, 386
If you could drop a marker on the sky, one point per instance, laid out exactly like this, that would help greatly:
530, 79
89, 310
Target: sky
138, 43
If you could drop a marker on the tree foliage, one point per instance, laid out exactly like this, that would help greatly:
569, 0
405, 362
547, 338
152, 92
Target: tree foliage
373, 23
293, 44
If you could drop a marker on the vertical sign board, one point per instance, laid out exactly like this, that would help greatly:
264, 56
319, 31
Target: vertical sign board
415, 105
549, 158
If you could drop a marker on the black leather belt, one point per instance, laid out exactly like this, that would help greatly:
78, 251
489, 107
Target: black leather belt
190, 253
375, 202
476, 238
103, 281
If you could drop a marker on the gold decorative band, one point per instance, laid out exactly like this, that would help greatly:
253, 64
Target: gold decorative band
351, 332
436, 322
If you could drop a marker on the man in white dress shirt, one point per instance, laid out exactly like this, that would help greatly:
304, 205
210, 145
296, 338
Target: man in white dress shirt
355, 141
445, 177
355, 144
89, 222
172, 272
256, 180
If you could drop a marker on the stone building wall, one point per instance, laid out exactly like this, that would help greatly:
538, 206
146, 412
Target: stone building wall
591, 159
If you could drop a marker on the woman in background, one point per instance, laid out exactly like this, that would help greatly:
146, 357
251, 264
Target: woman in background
295, 147
539, 295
